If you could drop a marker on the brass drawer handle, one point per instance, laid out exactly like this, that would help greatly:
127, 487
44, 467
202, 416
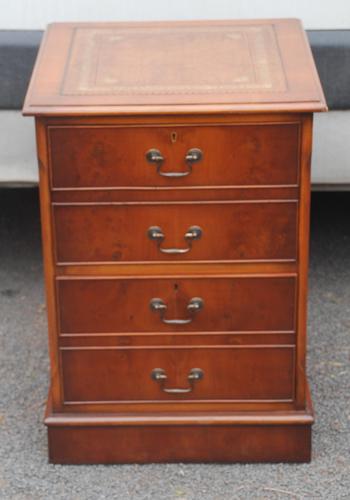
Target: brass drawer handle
194, 306
159, 375
154, 156
193, 233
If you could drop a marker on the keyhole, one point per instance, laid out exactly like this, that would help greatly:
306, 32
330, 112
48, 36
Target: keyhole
173, 137
176, 287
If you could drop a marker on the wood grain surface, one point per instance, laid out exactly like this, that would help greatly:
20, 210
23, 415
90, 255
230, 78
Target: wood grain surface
233, 155
230, 231
109, 305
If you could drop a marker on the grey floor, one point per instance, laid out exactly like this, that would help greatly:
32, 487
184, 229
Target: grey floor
24, 471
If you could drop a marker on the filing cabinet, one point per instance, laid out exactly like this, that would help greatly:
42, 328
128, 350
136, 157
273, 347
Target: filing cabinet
174, 164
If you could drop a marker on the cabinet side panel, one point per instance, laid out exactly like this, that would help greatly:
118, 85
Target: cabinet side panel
303, 257
47, 245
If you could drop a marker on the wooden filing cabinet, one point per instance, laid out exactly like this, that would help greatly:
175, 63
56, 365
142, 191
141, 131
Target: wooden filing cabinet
174, 166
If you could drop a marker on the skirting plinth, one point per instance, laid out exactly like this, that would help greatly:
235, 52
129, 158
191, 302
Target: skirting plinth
196, 437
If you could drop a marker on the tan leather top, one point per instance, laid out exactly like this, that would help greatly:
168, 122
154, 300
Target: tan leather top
174, 67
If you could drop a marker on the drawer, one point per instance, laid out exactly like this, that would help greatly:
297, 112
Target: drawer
216, 373
231, 231
110, 156
162, 304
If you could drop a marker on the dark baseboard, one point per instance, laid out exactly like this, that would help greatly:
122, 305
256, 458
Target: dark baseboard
18, 50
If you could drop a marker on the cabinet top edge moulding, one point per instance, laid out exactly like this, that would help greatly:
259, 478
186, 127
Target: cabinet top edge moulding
182, 67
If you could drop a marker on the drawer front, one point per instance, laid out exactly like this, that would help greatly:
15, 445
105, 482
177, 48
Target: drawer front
102, 156
244, 373
238, 303
179, 231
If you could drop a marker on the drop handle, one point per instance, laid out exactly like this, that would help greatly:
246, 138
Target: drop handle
156, 234
159, 375
193, 155
155, 157
194, 306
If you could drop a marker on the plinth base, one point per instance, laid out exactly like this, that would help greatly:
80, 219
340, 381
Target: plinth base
196, 437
